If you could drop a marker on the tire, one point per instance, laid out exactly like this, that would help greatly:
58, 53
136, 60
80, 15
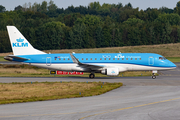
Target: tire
91, 76
153, 77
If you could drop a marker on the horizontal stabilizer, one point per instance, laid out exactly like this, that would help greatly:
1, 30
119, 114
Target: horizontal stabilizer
10, 58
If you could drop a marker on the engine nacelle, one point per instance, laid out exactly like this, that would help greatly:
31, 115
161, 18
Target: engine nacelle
110, 71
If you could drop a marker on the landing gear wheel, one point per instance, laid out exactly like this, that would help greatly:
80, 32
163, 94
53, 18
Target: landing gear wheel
91, 75
153, 77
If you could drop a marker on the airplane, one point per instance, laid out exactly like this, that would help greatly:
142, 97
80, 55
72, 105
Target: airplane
110, 64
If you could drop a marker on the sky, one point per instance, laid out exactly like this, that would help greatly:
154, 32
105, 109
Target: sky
142, 4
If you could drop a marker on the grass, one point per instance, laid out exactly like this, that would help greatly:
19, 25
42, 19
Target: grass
30, 71
28, 92
2, 58
167, 50
174, 59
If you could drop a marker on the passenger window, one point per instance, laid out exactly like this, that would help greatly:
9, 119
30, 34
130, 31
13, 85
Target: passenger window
118, 58
131, 59
109, 58
91, 58
104, 58
64, 59
95, 58
86, 58
68, 59
139, 58
135, 58
100, 58
113, 58
59, 58
126, 58
82, 59
122, 58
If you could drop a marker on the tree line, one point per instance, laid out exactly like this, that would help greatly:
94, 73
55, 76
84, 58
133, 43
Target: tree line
109, 25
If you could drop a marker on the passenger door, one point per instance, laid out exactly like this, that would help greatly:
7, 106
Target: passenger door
151, 60
48, 61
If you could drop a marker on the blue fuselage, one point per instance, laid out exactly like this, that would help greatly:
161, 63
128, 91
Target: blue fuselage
145, 61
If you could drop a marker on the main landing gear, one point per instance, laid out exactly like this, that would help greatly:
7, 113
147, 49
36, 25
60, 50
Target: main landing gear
153, 76
91, 75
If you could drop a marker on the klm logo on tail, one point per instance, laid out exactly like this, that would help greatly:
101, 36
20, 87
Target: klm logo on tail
19, 43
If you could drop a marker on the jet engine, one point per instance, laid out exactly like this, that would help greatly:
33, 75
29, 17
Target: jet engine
110, 71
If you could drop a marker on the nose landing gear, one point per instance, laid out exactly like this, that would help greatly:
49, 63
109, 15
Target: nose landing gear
153, 76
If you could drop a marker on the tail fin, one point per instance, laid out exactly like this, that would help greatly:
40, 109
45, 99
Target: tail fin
19, 44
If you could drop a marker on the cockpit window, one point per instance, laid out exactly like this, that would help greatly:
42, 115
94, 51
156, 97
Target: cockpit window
162, 58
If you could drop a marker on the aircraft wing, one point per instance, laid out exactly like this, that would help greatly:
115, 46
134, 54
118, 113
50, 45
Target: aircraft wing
75, 60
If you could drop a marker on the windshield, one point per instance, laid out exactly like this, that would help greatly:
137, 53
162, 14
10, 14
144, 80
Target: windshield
162, 58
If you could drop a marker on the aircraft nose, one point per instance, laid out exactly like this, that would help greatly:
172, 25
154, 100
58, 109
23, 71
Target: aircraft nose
172, 65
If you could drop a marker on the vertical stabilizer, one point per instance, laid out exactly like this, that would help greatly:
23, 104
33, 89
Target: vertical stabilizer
19, 44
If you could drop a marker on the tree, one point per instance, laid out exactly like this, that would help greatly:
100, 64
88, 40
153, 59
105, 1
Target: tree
30, 7
4, 42
177, 9
52, 9
36, 7
134, 27
25, 6
89, 20
119, 5
50, 36
151, 35
173, 19
52, 6
99, 37
166, 10
152, 14
44, 7
77, 36
178, 34
2, 9
133, 22
95, 5
129, 5
19, 7
118, 41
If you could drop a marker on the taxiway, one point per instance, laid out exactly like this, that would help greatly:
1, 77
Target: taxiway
140, 98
